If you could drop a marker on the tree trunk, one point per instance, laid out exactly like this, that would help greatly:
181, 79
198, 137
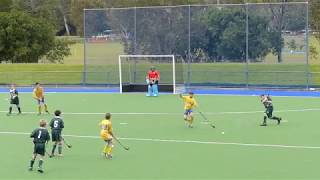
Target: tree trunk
280, 47
66, 25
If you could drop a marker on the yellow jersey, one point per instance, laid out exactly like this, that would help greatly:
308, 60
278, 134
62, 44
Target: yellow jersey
189, 102
106, 129
38, 92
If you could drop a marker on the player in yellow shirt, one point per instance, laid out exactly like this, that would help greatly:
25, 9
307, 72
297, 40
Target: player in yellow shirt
189, 104
38, 94
107, 135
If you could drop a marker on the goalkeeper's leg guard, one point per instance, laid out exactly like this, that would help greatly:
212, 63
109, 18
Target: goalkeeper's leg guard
149, 90
155, 89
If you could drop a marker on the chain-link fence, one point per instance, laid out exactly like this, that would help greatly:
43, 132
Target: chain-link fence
239, 45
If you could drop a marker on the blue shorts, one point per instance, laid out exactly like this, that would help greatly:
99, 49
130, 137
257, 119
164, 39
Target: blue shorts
188, 112
41, 101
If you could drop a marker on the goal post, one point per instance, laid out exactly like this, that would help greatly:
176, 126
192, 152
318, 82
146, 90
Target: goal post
133, 70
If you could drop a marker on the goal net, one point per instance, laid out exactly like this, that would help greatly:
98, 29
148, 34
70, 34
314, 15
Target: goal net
133, 70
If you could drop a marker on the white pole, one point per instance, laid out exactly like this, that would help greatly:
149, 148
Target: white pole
174, 74
120, 74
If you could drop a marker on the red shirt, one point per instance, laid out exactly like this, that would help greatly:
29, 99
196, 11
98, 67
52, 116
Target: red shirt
153, 74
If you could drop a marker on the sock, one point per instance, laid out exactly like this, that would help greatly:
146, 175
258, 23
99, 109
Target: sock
275, 118
109, 150
59, 148
39, 109
191, 120
40, 163
45, 107
19, 109
31, 162
10, 109
264, 119
53, 149
105, 149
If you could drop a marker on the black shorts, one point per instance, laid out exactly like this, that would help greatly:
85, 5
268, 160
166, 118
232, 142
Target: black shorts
39, 148
269, 111
15, 101
56, 135
41, 101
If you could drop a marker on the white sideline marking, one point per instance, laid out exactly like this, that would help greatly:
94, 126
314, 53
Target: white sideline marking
188, 141
159, 113
124, 123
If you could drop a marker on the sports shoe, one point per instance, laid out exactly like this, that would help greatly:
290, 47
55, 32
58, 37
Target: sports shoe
47, 112
263, 124
279, 120
40, 170
109, 156
8, 114
60, 155
30, 168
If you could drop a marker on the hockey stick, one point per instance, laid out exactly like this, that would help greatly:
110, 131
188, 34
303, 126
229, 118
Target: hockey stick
123, 146
206, 119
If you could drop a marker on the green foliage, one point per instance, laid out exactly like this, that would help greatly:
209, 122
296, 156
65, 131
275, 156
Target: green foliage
60, 49
39, 9
24, 38
314, 53
227, 35
315, 17
292, 45
5, 5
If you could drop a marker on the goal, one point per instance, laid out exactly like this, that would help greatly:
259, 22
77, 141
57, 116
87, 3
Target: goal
133, 70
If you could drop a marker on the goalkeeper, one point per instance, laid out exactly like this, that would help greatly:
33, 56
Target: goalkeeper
152, 79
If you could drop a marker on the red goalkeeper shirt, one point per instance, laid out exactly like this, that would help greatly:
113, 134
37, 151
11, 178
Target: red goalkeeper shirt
153, 75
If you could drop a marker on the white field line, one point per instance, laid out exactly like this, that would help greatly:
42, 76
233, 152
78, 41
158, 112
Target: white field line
164, 113
187, 141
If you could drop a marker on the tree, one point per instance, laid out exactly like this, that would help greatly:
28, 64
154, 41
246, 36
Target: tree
292, 44
59, 50
39, 9
24, 39
5, 5
314, 17
227, 35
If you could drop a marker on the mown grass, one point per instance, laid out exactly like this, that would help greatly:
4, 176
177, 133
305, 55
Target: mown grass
231, 73
102, 68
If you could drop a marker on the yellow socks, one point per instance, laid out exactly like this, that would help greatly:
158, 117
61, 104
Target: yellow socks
39, 109
45, 107
105, 149
109, 150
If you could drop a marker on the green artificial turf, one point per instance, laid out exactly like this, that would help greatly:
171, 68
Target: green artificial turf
161, 146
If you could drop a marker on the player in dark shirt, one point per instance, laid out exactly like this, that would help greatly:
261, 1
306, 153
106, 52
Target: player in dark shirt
40, 137
14, 99
267, 102
57, 125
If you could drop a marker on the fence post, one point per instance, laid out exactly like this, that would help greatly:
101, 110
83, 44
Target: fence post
84, 76
189, 48
247, 45
307, 45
